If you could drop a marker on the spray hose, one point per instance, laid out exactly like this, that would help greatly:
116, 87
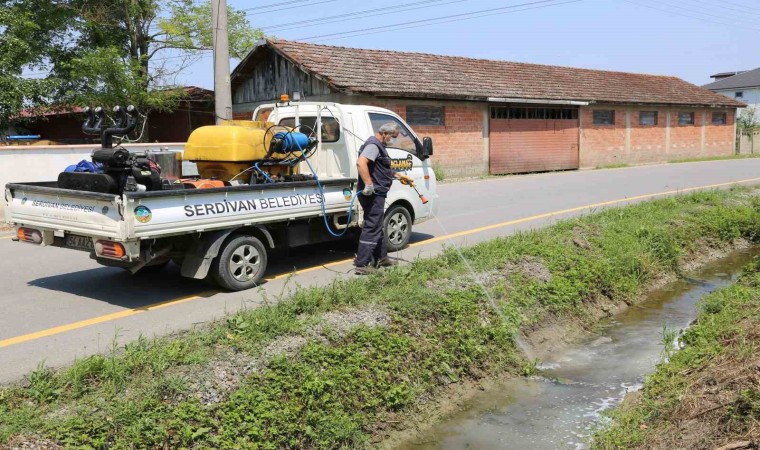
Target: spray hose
297, 142
322, 193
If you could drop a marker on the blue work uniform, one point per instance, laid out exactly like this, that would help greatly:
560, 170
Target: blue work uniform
372, 243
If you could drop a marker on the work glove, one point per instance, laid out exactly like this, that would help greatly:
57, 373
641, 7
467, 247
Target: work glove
406, 179
368, 190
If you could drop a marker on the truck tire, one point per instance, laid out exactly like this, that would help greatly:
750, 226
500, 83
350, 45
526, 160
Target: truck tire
397, 226
241, 263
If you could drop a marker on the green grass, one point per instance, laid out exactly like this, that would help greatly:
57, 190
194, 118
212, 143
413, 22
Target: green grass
337, 391
613, 166
716, 343
440, 175
714, 158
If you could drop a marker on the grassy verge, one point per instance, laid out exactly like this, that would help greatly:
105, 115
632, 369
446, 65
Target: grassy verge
613, 166
714, 158
292, 376
708, 394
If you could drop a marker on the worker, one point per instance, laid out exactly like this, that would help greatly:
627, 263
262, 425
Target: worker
375, 179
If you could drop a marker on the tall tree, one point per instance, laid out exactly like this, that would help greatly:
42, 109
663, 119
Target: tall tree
104, 51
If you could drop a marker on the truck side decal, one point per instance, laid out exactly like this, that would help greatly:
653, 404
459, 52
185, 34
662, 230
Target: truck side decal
285, 201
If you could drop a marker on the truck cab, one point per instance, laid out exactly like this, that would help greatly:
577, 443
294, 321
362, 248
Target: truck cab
343, 130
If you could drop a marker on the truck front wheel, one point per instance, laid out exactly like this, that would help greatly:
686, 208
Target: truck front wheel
241, 263
397, 226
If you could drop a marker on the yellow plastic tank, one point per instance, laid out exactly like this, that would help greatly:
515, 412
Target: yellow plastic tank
223, 151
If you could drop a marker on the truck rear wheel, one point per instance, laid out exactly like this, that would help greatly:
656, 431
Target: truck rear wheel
241, 263
397, 227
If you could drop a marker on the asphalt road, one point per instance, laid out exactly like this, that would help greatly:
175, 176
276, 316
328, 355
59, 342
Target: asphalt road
58, 305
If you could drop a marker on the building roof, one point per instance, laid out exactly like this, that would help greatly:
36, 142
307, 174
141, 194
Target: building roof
748, 79
188, 93
727, 74
420, 75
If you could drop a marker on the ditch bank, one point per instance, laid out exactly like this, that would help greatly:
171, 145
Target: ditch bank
561, 406
707, 395
293, 376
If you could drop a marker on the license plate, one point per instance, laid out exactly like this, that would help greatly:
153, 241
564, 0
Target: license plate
79, 242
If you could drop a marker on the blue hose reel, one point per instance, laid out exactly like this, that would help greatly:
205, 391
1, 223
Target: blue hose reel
284, 142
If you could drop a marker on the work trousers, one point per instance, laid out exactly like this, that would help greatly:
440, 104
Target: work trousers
372, 240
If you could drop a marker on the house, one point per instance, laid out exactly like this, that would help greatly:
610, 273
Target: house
499, 117
63, 124
742, 85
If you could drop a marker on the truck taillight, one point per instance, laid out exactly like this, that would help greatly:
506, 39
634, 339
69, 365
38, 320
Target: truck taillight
110, 249
29, 235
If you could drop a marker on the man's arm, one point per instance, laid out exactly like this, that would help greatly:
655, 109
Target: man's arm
363, 165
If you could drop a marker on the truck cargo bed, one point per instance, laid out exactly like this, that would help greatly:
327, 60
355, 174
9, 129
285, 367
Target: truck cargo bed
142, 215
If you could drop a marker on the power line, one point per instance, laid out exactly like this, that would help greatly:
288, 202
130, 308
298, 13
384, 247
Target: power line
259, 12
696, 10
422, 22
744, 10
693, 17
740, 5
273, 5
360, 14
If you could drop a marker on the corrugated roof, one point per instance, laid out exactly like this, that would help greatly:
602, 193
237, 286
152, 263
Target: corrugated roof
421, 75
750, 78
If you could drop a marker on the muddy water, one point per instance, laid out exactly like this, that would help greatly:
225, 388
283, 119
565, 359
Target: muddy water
558, 410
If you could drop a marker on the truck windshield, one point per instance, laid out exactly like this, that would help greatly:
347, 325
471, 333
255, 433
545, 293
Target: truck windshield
330, 126
405, 140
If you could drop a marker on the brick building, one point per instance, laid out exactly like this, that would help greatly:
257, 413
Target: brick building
501, 117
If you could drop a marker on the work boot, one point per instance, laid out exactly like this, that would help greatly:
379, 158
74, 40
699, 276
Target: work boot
387, 262
364, 270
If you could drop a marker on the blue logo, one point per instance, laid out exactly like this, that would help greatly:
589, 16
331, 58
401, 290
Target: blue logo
143, 214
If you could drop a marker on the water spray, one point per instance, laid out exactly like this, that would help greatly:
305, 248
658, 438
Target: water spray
521, 343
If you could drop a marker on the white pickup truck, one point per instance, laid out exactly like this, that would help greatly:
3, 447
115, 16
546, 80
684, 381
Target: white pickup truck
227, 232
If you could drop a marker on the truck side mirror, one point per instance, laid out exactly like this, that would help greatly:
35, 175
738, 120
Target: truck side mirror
427, 148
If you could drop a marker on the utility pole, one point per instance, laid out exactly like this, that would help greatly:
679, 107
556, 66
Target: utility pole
222, 93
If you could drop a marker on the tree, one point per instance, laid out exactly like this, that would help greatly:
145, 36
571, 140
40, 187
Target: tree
748, 120
105, 51
28, 33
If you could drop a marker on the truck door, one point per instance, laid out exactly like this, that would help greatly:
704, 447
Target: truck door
403, 152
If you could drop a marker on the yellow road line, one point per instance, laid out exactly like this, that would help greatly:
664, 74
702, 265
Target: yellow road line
96, 320
578, 208
131, 312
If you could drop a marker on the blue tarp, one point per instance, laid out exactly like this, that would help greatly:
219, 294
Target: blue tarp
85, 166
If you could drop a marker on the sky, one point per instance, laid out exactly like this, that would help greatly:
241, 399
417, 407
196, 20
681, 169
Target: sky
689, 39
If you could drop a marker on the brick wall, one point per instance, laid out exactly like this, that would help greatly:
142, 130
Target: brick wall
629, 142
647, 141
458, 144
720, 139
685, 140
602, 145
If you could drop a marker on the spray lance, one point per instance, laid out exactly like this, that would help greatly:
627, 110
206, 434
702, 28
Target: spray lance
410, 182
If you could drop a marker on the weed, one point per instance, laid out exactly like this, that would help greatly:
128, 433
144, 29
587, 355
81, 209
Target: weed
713, 158
440, 175
669, 342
